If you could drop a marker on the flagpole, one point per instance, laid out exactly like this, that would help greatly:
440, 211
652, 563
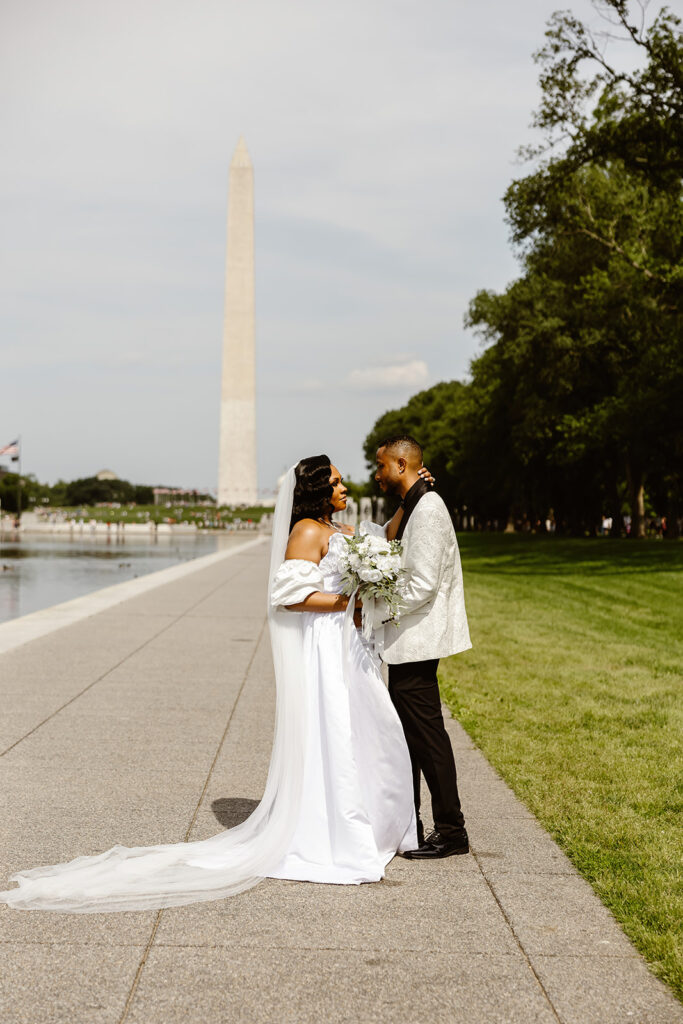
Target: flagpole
19, 483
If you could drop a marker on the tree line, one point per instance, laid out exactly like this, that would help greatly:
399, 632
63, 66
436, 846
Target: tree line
574, 408
69, 494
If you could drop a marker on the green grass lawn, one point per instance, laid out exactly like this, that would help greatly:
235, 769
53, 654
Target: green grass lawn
574, 691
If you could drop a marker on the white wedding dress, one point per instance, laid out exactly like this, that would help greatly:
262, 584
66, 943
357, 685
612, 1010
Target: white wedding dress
357, 805
338, 801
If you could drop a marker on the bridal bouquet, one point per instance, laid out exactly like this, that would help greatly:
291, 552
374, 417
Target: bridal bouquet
371, 565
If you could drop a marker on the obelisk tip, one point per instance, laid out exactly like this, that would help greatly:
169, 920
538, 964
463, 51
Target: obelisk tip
240, 157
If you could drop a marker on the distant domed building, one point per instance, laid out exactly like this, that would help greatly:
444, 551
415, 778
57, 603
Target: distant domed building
106, 474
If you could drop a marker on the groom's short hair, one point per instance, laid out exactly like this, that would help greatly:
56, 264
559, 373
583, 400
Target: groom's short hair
402, 444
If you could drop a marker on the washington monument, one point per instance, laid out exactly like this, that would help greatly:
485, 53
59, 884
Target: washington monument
237, 451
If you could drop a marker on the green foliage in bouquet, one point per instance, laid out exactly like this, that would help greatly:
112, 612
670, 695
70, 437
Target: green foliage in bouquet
372, 566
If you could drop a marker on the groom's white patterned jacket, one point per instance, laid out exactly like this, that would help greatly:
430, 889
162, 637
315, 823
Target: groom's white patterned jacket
433, 620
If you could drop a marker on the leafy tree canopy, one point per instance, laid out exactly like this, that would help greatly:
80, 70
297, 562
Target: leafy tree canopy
576, 396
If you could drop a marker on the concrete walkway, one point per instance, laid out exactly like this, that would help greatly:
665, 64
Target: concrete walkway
151, 722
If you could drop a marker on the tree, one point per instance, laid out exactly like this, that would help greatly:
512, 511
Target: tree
431, 417
635, 117
8, 492
576, 396
32, 492
599, 228
144, 495
596, 345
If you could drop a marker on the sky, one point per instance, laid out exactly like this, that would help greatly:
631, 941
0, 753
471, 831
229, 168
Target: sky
383, 135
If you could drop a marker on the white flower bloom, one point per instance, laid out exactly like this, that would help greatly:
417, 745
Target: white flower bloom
372, 564
370, 575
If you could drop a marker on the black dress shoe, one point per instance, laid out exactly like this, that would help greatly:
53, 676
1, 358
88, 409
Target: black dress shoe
436, 847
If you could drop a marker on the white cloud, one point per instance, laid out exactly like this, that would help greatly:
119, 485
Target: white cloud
410, 375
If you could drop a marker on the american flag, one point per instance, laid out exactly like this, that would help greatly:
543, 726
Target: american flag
10, 449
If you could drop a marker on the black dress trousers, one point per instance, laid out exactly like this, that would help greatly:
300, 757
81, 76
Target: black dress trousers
414, 690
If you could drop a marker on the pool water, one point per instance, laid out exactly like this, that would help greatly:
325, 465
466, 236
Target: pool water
38, 572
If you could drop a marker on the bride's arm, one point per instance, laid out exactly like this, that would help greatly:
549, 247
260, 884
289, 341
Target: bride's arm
318, 601
306, 541
391, 528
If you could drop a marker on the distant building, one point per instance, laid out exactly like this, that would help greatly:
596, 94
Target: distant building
177, 494
106, 474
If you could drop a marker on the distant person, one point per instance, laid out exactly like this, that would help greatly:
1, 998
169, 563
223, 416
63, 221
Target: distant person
606, 525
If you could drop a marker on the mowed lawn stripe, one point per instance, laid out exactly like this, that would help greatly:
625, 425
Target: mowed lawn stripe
574, 691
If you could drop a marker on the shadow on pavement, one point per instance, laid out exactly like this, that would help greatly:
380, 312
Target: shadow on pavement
231, 811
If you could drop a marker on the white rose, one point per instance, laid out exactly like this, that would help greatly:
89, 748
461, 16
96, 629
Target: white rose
370, 575
354, 560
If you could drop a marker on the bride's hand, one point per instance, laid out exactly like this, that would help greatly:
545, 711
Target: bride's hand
426, 475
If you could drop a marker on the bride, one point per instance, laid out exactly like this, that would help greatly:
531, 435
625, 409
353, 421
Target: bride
338, 801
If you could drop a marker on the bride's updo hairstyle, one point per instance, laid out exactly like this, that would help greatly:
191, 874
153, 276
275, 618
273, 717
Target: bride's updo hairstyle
312, 490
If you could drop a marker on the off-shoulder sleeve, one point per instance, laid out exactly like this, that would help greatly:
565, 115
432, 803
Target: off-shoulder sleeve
295, 580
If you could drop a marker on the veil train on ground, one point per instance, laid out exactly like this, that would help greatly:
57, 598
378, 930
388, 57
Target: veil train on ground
174, 874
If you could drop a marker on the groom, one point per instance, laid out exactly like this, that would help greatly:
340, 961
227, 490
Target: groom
433, 624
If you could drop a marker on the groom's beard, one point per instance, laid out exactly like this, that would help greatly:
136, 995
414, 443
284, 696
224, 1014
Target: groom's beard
392, 489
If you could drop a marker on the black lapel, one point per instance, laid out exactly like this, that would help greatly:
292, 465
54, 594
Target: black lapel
417, 491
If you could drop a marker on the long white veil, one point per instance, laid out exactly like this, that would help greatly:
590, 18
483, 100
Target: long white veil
149, 877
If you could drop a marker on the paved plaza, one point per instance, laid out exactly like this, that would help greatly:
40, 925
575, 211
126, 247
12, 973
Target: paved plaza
150, 721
